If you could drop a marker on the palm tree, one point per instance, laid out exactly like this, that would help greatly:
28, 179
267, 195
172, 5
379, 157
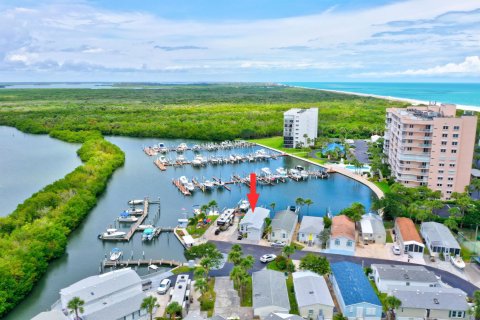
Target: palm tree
247, 262
173, 309
76, 306
201, 285
236, 275
234, 256
272, 205
288, 250
199, 272
299, 202
324, 236
149, 303
308, 203
392, 303
212, 204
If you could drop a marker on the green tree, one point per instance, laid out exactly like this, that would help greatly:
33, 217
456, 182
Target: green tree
451, 223
174, 310
199, 272
247, 262
288, 250
324, 237
75, 305
235, 254
299, 202
212, 204
391, 303
201, 284
476, 305
317, 264
308, 203
327, 222
339, 316
238, 275
273, 205
200, 251
149, 303
354, 212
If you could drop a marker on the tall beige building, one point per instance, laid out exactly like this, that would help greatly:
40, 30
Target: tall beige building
430, 146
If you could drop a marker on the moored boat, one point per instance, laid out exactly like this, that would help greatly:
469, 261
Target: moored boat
243, 205
115, 254
208, 185
183, 180
145, 226
134, 211
125, 217
112, 234
457, 261
135, 202
148, 234
190, 187
304, 174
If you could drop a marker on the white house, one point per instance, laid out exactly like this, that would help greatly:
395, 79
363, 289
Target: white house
269, 293
283, 226
439, 239
310, 230
253, 223
392, 275
342, 236
300, 127
313, 296
372, 229
407, 237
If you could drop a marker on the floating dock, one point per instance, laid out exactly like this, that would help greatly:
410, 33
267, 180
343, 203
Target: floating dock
140, 263
181, 187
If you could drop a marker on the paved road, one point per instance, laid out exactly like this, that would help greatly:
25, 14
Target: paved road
258, 251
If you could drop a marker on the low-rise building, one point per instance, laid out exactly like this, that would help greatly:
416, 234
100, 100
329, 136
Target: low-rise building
283, 316
430, 303
283, 226
313, 296
372, 229
342, 236
50, 315
407, 237
113, 295
355, 295
269, 293
394, 275
439, 239
310, 230
253, 223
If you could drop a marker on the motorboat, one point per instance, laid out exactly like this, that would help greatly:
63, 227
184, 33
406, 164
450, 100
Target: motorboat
232, 158
112, 234
299, 168
190, 187
238, 158
125, 217
208, 185
182, 223
180, 158
162, 148
182, 147
198, 161
147, 234
282, 172
304, 174
295, 174
266, 171
162, 159
457, 261
196, 148
144, 227
250, 158
183, 180
243, 205
115, 254
135, 202
259, 154
134, 212
214, 160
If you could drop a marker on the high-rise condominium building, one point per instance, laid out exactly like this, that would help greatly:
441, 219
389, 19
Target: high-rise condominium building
300, 127
430, 146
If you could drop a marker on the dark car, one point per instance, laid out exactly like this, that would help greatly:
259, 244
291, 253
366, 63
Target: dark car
239, 237
217, 231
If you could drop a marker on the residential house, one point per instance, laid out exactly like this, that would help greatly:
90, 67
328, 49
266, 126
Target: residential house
283, 226
355, 295
439, 239
310, 229
407, 237
342, 236
372, 229
50, 315
395, 275
113, 295
431, 303
269, 293
253, 224
313, 296
283, 316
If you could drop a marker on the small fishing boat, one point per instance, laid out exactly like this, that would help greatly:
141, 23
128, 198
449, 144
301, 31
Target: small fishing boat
180, 158
238, 158
282, 172
162, 159
112, 234
135, 202
213, 160
232, 158
266, 171
304, 174
250, 158
115, 254
134, 212
182, 147
198, 161
208, 185
147, 234
299, 168
458, 262
190, 187
183, 180
243, 205
182, 223
125, 217
145, 226
196, 148
162, 148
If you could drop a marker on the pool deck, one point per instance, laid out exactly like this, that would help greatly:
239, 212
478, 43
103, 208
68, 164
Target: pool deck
379, 193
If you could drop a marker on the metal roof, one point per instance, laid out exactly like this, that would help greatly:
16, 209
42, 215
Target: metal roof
50, 315
437, 298
439, 235
282, 316
255, 219
353, 284
270, 289
284, 220
409, 273
311, 224
375, 223
310, 289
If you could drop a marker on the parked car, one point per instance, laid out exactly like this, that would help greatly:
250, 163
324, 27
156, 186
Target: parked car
217, 231
396, 250
164, 286
278, 243
240, 236
267, 258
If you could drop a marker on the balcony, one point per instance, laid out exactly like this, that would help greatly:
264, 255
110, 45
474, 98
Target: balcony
414, 157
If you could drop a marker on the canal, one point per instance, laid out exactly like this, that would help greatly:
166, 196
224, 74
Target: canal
140, 178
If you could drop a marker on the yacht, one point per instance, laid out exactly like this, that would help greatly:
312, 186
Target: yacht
190, 187
299, 168
458, 262
208, 185
145, 226
112, 234
147, 234
304, 174
183, 180
115, 254
134, 212
244, 205
295, 174
125, 217
198, 161
135, 202
182, 147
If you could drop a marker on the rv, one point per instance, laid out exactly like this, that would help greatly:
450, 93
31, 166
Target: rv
226, 219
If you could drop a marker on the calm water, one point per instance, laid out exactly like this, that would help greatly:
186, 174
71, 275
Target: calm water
30, 162
139, 178
458, 93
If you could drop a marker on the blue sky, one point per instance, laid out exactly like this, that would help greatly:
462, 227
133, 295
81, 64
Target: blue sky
248, 40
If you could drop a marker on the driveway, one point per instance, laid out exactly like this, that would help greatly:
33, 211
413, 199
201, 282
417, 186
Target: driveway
227, 302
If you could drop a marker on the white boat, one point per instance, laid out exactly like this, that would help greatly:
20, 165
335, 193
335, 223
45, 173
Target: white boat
232, 158
112, 234
180, 158
304, 174
162, 148
244, 205
135, 202
182, 223
196, 147
238, 158
134, 211
183, 180
208, 184
213, 212
281, 171
115, 254
190, 187
145, 226
198, 161
148, 234
457, 261
214, 160
125, 217
162, 159
267, 171
182, 147
250, 158
299, 168
295, 174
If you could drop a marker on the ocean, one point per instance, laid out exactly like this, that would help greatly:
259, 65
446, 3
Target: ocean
458, 93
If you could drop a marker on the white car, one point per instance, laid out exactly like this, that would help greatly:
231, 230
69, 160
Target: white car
396, 250
164, 286
267, 258
279, 244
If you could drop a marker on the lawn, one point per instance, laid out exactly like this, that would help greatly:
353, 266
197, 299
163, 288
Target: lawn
383, 186
291, 296
182, 269
246, 300
273, 266
198, 232
207, 300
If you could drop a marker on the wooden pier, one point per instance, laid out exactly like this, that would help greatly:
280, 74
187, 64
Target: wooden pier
181, 187
140, 220
140, 263
198, 184
160, 165
220, 183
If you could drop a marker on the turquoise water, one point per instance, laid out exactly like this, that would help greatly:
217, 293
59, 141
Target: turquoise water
458, 93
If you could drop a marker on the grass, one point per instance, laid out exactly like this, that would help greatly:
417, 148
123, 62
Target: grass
182, 269
383, 185
198, 232
246, 300
298, 246
389, 238
466, 253
273, 266
291, 296
379, 294
207, 300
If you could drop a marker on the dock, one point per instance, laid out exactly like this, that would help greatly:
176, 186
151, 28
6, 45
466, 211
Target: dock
160, 165
140, 263
181, 187
221, 183
198, 184
139, 221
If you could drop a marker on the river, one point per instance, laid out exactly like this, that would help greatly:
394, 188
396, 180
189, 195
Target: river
140, 178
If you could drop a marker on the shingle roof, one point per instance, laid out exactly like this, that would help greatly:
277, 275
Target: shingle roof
284, 220
438, 298
311, 288
353, 284
439, 235
312, 225
407, 229
342, 226
255, 219
404, 273
270, 289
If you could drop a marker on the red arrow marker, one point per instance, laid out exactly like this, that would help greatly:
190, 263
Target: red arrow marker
253, 195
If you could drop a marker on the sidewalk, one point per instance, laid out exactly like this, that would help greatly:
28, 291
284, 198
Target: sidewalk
227, 302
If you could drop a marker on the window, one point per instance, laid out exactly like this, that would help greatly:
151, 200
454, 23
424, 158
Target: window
441, 164
407, 283
454, 151
349, 243
337, 242
284, 236
444, 135
409, 148
444, 143
454, 143
455, 135
452, 165
443, 150
450, 179
440, 178
370, 311
445, 127
440, 171
409, 140
439, 184
411, 126
273, 234
449, 185
456, 128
